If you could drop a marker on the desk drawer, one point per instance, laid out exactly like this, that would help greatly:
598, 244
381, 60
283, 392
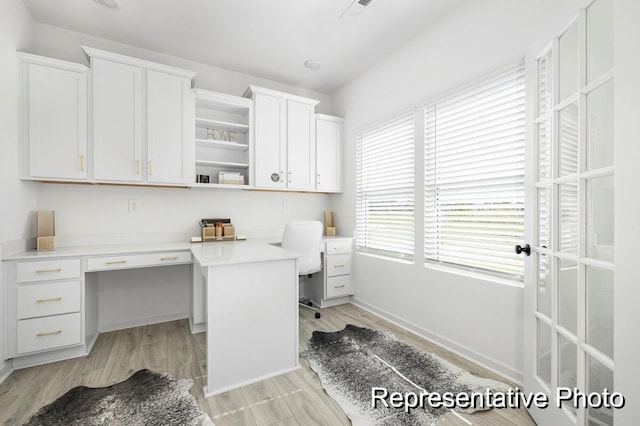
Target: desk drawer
39, 300
337, 247
49, 333
339, 286
137, 261
339, 264
47, 270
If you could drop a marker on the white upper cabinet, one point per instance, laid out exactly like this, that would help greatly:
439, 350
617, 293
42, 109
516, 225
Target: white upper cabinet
143, 116
284, 142
328, 150
54, 119
301, 152
117, 121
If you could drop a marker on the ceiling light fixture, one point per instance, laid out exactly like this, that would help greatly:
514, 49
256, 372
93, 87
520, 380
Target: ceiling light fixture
312, 64
111, 4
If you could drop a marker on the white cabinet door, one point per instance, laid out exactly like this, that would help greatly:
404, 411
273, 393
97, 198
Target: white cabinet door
328, 148
270, 160
168, 128
117, 121
57, 123
301, 154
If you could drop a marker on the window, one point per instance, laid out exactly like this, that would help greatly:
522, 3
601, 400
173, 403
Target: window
474, 176
385, 186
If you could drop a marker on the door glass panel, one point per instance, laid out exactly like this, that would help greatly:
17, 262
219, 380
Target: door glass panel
599, 378
568, 62
599, 38
600, 220
545, 93
567, 366
543, 217
600, 309
568, 140
544, 285
568, 217
544, 150
600, 127
544, 353
567, 295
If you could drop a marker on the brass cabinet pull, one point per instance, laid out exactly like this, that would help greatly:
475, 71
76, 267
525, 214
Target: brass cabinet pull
169, 258
150, 168
50, 333
82, 163
115, 262
338, 266
281, 174
43, 271
137, 167
338, 286
52, 299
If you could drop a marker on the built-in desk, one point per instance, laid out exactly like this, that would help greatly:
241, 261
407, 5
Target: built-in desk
251, 293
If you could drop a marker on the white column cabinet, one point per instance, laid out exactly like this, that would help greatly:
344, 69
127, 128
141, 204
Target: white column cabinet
143, 116
328, 153
284, 140
54, 119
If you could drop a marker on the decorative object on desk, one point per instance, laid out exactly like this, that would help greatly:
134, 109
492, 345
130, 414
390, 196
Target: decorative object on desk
331, 231
216, 230
46, 240
353, 361
144, 398
329, 223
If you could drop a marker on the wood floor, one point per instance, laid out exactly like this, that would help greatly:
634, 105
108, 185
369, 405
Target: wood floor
296, 398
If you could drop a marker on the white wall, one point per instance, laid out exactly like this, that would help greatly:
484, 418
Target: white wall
18, 198
478, 318
627, 208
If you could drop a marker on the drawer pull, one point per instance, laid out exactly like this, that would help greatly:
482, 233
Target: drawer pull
43, 271
53, 299
169, 258
115, 262
50, 333
338, 286
338, 266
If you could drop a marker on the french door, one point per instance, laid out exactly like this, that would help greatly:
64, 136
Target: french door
570, 273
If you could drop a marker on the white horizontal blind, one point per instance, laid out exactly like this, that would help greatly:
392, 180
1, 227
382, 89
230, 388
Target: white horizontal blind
385, 188
474, 176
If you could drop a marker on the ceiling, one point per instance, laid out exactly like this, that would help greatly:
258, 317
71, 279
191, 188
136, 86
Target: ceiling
266, 38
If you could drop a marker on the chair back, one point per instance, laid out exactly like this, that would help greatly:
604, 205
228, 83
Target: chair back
303, 236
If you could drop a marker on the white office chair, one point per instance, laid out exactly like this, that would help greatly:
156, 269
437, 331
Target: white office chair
303, 236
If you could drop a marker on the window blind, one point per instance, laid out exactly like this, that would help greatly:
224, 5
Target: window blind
474, 176
385, 185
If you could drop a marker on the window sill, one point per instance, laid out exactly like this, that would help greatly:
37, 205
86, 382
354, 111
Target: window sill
475, 275
389, 258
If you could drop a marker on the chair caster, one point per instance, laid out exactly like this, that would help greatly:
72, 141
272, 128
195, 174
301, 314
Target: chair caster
309, 303
317, 314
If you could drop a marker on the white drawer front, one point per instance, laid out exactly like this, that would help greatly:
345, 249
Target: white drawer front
339, 286
339, 264
137, 261
47, 270
49, 332
39, 300
337, 247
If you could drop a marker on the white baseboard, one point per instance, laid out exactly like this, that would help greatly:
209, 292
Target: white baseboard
103, 328
489, 363
5, 372
197, 328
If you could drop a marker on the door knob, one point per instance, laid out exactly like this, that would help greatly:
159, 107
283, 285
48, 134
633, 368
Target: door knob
526, 249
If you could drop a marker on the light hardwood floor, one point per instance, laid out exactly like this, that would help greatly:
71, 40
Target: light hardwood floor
296, 398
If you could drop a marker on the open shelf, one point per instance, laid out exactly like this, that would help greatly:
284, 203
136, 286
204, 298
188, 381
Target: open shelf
218, 185
214, 143
222, 125
221, 164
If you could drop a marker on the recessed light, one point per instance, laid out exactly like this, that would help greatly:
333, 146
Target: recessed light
111, 4
312, 64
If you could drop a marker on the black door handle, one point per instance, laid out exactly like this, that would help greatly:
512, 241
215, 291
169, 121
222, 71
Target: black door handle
526, 249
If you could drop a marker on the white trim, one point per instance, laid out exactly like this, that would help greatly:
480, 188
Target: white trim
5, 372
51, 62
207, 394
103, 328
465, 352
270, 92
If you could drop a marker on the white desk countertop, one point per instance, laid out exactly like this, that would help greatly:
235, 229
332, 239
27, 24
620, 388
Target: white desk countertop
98, 250
236, 252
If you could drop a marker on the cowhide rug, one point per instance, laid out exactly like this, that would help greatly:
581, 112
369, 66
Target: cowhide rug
145, 398
351, 362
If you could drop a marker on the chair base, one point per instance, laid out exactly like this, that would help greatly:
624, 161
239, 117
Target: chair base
306, 303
